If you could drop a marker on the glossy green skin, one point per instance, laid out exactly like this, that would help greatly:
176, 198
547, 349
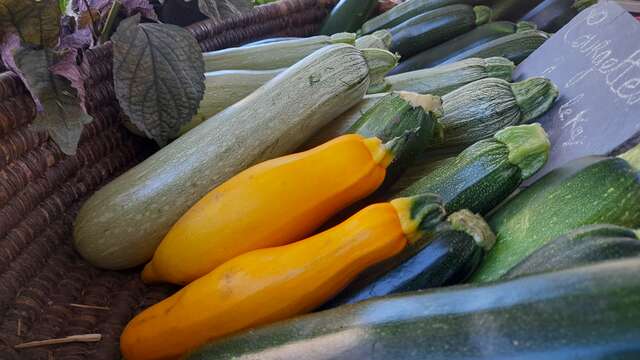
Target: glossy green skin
478, 179
394, 117
534, 317
515, 47
449, 258
592, 190
405, 11
431, 28
587, 245
441, 53
512, 9
348, 16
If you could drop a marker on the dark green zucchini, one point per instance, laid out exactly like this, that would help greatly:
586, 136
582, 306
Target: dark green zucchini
487, 172
405, 11
348, 16
515, 47
552, 15
583, 246
591, 190
435, 27
512, 9
441, 53
584, 313
402, 114
446, 258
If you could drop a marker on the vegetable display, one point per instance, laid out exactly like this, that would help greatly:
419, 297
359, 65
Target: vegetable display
444, 79
591, 190
121, 225
465, 42
450, 256
270, 204
435, 27
583, 246
487, 172
273, 284
273, 55
519, 318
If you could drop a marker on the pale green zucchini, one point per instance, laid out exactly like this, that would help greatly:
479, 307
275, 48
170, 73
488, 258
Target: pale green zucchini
478, 110
121, 225
271, 56
380, 39
442, 80
226, 87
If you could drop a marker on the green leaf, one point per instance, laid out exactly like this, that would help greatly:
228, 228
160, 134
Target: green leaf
159, 76
222, 9
62, 117
64, 5
37, 22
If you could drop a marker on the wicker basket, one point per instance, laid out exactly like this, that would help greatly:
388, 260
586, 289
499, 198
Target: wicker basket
46, 290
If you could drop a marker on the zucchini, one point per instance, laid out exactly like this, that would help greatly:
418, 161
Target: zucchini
380, 39
121, 225
583, 246
591, 190
478, 110
552, 15
348, 15
397, 115
270, 40
516, 47
512, 9
487, 172
270, 56
405, 11
435, 27
534, 317
441, 53
226, 87
442, 80
446, 258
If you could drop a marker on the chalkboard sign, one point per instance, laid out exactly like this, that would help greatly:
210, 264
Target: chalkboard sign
595, 62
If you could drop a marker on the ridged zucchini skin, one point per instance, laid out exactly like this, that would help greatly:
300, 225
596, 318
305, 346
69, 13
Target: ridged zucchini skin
398, 115
405, 11
583, 246
447, 258
487, 172
478, 110
435, 27
445, 79
533, 317
121, 225
348, 15
552, 15
441, 53
515, 47
591, 190
270, 56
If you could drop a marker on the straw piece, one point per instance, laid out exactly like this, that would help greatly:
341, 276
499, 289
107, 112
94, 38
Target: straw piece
69, 339
94, 307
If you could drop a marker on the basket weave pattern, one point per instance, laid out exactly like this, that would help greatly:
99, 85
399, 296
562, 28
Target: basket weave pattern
41, 190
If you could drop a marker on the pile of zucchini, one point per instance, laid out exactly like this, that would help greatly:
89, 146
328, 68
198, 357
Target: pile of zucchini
320, 176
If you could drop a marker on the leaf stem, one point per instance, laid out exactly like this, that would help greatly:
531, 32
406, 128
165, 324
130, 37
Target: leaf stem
93, 21
105, 34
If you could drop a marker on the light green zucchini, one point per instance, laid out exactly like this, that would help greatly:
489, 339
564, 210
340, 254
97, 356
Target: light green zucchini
442, 80
271, 56
226, 87
121, 225
380, 39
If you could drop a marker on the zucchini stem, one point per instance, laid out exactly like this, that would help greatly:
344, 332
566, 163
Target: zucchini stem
534, 97
343, 38
475, 226
528, 147
632, 156
580, 5
419, 215
483, 14
526, 25
380, 62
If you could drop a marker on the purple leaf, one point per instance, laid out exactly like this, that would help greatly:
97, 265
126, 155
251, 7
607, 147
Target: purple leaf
67, 67
7, 50
143, 7
81, 38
